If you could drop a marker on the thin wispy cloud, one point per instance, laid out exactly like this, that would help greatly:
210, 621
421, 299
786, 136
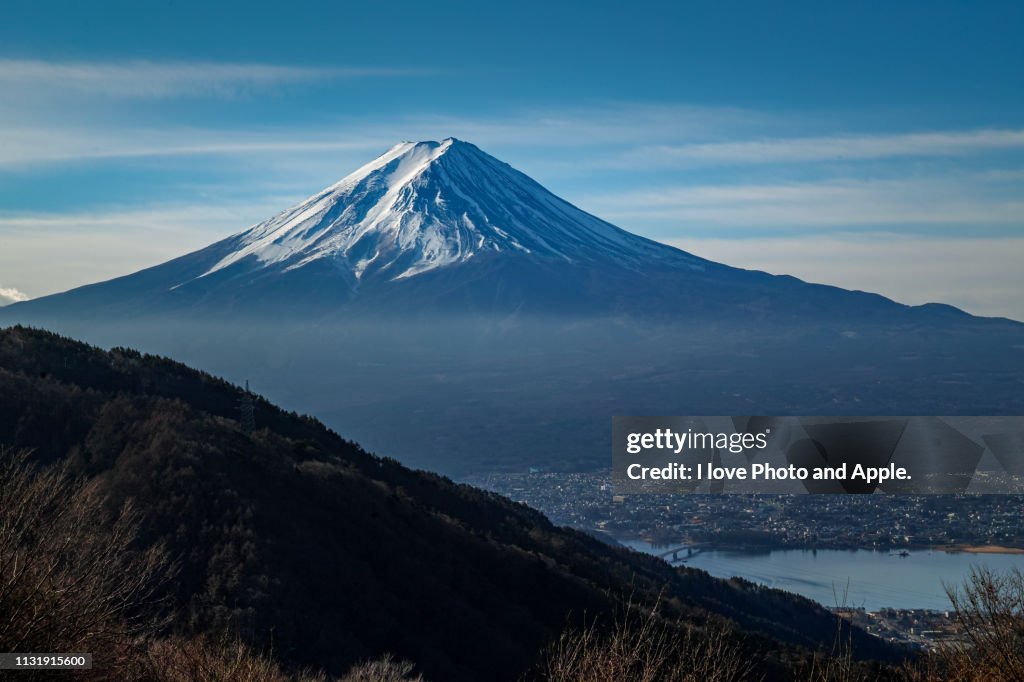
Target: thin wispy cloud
974, 274
22, 145
49, 252
149, 79
27, 140
843, 147
612, 137
962, 199
144, 219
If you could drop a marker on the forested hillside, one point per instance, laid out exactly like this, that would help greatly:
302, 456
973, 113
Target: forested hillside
303, 544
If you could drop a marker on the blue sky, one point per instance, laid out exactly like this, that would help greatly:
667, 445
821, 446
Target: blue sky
877, 146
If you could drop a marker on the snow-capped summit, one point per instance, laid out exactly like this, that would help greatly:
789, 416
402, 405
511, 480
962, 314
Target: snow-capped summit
424, 205
444, 227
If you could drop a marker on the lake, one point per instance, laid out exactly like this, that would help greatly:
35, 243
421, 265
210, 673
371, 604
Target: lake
870, 579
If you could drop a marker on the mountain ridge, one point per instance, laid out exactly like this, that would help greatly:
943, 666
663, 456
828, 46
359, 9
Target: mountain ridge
445, 227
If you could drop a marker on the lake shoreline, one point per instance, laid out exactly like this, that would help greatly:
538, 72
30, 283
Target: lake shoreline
872, 579
773, 547
979, 549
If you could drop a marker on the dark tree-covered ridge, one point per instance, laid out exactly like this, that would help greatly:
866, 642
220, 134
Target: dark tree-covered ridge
301, 541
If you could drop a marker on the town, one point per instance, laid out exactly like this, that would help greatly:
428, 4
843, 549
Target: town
588, 501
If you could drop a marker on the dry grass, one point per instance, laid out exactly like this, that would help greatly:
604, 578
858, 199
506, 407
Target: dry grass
642, 647
384, 670
201, 660
230, 660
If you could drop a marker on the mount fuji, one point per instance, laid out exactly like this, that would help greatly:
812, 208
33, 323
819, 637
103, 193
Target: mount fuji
443, 226
442, 307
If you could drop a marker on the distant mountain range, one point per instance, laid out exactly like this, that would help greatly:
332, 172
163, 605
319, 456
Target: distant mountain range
442, 306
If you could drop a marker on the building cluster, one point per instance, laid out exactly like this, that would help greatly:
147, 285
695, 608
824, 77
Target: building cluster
588, 501
921, 628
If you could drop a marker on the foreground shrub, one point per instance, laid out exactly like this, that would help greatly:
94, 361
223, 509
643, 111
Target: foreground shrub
989, 612
642, 647
71, 578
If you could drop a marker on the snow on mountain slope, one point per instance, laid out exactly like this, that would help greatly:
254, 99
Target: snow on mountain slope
425, 205
442, 226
